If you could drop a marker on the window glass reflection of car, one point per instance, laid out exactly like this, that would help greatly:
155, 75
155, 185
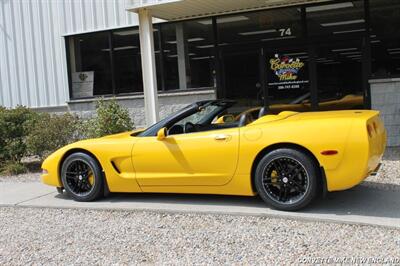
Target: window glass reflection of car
303, 104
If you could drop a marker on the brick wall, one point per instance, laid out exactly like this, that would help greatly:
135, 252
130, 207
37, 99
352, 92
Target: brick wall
385, 97
168, 103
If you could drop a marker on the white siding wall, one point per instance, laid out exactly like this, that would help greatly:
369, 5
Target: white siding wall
33, 68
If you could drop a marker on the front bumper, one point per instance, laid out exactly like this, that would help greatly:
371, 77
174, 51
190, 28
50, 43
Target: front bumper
50, 180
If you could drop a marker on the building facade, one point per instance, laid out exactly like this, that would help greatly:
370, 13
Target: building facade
302, 55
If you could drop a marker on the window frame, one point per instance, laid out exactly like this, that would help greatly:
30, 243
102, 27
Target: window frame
219, 87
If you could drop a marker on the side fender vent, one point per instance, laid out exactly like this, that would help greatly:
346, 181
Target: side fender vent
115, 167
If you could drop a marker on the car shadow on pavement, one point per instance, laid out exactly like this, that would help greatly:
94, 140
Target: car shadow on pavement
360, 201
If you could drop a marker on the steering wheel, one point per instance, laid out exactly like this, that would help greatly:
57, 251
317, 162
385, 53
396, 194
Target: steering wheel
190, 127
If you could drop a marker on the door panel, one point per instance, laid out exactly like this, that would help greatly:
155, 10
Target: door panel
201, 158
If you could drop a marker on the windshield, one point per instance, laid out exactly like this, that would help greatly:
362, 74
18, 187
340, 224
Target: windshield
155, 126
200, 113
199, 117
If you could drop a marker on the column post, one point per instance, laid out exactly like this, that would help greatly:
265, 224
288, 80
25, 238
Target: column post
148, 66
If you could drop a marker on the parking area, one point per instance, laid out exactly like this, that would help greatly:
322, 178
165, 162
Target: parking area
361, 225
104, 237
365, 204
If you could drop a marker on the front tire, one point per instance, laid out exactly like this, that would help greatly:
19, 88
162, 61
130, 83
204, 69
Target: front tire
287, 179
82, 177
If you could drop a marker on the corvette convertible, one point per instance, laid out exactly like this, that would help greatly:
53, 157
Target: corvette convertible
287, 159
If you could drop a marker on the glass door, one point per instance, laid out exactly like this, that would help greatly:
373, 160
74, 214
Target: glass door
287, 79
337, 32
241, 79
339, 76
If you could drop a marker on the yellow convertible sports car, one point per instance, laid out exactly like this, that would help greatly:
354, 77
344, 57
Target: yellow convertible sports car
288, 158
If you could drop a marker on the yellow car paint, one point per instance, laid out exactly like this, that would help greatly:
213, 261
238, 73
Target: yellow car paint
349, 101
221, 161
192, 159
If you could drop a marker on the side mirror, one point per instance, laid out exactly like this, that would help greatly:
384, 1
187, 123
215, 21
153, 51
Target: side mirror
162, 133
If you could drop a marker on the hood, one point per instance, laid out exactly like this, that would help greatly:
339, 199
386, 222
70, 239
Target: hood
123, 134
118, 135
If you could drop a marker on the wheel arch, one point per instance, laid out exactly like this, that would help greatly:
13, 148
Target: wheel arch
76, 150
289, 145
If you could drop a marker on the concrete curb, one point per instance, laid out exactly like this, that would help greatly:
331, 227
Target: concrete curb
360, 206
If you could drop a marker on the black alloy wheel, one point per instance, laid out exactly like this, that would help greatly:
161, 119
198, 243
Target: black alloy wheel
82, 177
287, 179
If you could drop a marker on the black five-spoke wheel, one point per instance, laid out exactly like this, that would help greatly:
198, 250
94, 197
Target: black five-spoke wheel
79, 176
82, 177
286, 179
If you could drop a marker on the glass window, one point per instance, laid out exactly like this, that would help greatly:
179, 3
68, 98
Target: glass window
90, 64
187, 49
127, 61
242, 78
339, 20
199, 116
240, 39
288, 79
385, 38
107, 63
200, 42
337, 31
169, 63
339, 75
266, 26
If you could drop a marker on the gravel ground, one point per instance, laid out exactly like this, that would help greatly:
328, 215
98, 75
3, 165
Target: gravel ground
390, 170
29, 177
75, 237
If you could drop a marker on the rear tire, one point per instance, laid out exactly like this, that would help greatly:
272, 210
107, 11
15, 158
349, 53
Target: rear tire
287, 179
82, 177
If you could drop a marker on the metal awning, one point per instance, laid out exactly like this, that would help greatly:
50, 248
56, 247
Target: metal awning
186, 9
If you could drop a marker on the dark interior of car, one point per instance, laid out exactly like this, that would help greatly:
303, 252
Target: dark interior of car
190, 127
182, 122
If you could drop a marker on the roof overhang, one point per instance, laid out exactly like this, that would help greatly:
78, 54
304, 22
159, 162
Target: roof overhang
187, 9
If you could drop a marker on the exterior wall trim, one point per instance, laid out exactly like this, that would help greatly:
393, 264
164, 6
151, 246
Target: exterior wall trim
100, 30
385, 80
141, 96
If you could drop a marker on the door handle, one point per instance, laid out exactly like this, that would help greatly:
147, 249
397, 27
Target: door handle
221, 137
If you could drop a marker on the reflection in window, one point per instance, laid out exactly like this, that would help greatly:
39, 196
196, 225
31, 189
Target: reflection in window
240, 38
188, 55
169, 58
385, 38
345, 19
90, 64
265, 26
288, 80
339, 71
339, 54
127, 62
242, 74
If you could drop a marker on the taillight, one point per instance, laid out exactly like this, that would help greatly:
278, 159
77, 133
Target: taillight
375, 127
370, 130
